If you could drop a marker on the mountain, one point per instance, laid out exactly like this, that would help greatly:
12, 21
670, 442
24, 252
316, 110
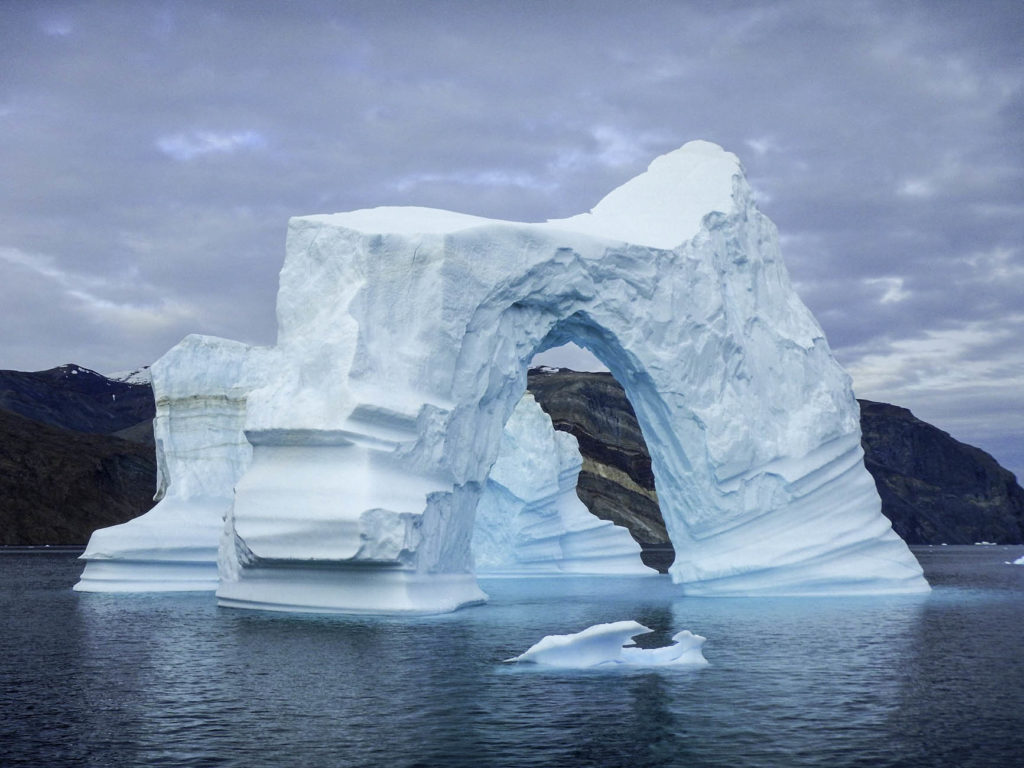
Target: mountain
76, 454
75, 398
616, 482
934, 489
58, 485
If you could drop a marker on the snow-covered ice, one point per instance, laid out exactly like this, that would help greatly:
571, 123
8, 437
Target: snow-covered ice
530, 520
612, 645
139, 375
348, 460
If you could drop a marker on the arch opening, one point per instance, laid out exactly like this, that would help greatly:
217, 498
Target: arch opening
556, 500
536, 322
616, 481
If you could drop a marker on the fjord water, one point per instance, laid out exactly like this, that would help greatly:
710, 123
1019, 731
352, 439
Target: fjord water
132, 680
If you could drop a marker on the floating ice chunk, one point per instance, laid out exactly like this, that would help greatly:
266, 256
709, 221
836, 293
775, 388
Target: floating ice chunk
606, 645
1018, 561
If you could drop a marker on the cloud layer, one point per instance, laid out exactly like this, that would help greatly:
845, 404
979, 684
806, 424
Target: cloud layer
153, 152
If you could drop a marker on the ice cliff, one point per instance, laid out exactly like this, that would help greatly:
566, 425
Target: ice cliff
404, 338
530, 520
200, 387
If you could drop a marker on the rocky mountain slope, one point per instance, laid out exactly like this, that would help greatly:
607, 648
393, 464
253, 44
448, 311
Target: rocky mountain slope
76, 454
616, 482
934, 489
57, 485
72, 397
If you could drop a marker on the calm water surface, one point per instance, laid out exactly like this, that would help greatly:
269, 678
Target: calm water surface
150, 680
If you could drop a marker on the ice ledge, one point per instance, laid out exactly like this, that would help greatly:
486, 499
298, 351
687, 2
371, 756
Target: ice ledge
360, 589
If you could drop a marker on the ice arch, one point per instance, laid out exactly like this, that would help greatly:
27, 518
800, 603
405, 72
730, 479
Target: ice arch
529, 520
404, 335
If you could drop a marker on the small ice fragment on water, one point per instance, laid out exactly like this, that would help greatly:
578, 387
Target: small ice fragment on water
606, 644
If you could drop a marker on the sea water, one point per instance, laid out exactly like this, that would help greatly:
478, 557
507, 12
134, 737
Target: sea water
150, 680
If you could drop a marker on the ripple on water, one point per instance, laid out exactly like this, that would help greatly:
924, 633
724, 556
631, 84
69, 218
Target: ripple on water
174, 680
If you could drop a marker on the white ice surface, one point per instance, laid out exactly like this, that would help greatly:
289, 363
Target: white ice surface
530, 520
200, 387
1018, 561
661, 208
609, 645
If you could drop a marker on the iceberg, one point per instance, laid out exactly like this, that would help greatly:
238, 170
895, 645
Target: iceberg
201, 453
342, 468
529, 519
611, 645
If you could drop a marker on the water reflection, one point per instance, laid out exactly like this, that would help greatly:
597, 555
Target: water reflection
170, 679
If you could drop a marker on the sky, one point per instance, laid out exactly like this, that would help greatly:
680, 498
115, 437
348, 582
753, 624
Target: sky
152, 152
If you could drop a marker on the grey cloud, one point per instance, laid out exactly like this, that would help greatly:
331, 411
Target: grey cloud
157, 150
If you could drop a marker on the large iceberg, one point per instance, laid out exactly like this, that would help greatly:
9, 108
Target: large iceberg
404, 337
530, 520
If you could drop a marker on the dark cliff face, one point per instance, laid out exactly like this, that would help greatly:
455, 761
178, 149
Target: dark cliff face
76, 454
57, 486
616, 482
934, 489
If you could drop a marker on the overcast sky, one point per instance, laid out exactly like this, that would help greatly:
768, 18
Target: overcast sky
152, 152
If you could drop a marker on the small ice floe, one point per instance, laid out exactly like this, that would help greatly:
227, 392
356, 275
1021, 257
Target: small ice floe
612, 644
984, 543
1018, 561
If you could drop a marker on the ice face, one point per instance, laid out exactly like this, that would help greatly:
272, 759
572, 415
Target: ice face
607, 645
200, 388
530, 520
363, 440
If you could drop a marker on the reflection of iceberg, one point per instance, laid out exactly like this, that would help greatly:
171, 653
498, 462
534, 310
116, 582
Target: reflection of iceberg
530, 520
605, 645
